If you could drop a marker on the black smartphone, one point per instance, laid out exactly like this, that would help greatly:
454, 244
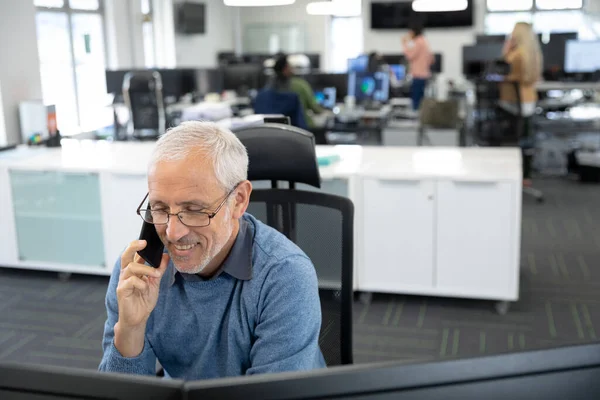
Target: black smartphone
153, 251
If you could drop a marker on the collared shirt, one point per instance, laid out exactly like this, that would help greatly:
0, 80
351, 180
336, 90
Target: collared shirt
262, 316
238, 263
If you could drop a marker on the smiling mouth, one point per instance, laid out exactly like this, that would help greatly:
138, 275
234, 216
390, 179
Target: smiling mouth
184, 247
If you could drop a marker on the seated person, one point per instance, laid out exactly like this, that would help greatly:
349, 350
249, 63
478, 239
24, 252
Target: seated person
284, 80
232, 296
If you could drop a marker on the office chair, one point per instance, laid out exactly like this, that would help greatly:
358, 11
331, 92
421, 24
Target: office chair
143, 95
497, 126
271, 101
320, 224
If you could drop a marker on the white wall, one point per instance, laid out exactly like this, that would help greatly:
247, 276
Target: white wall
200, 50
316, 26
19, 66
448, 42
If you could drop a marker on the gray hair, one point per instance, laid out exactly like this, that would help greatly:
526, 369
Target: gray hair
229, 155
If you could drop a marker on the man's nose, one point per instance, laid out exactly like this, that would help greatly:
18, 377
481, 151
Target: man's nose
176, 229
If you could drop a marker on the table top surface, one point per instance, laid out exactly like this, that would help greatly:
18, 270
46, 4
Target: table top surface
388, 162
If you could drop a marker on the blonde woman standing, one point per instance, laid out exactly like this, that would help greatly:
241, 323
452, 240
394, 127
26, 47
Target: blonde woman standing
523, 53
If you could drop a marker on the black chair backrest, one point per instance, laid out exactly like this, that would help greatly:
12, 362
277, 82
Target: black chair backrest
279, 152
324, 231
143, 95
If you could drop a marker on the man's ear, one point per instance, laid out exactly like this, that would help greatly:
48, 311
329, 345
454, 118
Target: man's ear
242, 198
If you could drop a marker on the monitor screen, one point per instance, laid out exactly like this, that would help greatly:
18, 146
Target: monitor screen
242, 77
582, 56
399, 71
358, 64
322, 81
554, 374
369, 87
326, 98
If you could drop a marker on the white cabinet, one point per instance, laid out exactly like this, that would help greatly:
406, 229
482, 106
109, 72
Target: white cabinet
476, 239
121, 195
398, 235
8, 241
441, 237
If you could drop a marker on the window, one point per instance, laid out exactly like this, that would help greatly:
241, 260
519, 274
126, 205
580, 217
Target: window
547, 16
346, 41
509, 5
148, 34
559, 4
72, 63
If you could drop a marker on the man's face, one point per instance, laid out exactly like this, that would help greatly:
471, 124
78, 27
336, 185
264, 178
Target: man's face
190, 185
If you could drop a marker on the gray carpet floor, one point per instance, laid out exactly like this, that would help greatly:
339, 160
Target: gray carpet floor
44, 320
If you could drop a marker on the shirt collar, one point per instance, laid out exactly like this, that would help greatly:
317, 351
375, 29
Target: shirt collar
238, 263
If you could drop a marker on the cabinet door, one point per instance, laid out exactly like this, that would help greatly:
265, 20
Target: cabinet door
58, 217
398, 235
475, 238
8, 240
121, 194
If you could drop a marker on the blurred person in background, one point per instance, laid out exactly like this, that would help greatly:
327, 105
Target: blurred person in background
420, 58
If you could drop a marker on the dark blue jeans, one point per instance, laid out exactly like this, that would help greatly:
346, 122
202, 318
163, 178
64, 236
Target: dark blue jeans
417, 91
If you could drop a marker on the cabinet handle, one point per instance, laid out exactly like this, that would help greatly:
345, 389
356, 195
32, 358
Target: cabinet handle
472, 183
430, 197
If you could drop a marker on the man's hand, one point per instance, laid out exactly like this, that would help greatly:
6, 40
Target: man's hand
137, 294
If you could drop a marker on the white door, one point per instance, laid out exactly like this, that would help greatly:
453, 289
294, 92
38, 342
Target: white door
397, 236
475, 239
121, 195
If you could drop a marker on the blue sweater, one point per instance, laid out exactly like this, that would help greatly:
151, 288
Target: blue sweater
260, 314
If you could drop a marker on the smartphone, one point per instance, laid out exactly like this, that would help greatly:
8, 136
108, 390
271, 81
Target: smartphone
153, 251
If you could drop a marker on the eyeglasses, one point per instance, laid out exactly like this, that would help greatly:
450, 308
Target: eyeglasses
193, 219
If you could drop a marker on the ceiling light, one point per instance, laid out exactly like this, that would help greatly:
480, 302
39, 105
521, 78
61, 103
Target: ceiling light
258, 3
439, 5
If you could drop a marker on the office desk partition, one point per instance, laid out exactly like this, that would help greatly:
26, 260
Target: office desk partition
430, 221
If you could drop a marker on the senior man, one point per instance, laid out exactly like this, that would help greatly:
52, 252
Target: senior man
232, 296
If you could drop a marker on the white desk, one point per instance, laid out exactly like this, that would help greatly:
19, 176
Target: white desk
432, 221
548, 85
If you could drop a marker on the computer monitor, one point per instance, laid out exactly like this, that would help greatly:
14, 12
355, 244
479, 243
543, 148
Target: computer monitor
555, 374
554, 51
23, 381
114, 80
393, 59
327, 97
476, 57
367, 87
358, 64
485, 39
436, 67
337, 81
241, 77
209, 81
582, 56
399, 71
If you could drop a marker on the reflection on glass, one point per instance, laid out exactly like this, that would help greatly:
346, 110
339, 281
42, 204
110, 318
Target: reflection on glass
90, 63
84, 4
58, 86
49, 3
